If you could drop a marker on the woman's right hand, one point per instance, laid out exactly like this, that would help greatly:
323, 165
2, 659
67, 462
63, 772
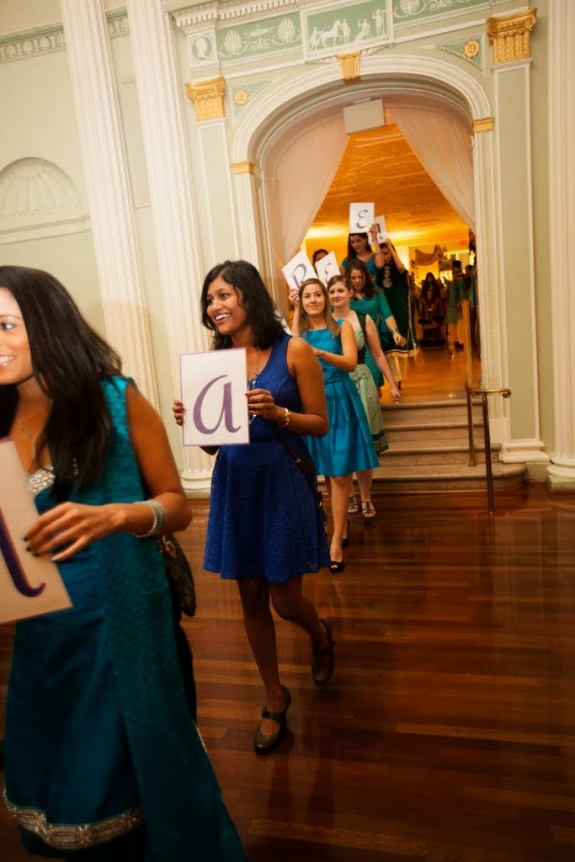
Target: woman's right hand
178, 410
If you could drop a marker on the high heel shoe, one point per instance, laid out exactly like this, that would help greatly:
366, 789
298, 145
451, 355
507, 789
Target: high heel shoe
352, 506
336, 568
264, 744
367, 510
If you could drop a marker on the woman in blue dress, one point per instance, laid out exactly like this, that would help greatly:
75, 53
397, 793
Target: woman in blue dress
348, 446
103, 759
265, 528
359, 248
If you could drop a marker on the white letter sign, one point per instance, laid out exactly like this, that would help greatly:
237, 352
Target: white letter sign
326, 267
29, 585
298, 270
214, 395
381, 228
361, 217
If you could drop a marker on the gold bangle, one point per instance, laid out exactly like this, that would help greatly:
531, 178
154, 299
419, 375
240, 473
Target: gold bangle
286, 419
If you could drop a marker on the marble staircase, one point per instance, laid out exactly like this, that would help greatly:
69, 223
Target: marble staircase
429, 451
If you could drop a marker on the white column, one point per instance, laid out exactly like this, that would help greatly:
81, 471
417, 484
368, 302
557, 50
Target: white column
175, 226
561, 472
108, 189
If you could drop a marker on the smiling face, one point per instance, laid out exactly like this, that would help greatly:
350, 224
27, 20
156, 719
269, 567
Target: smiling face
15, 356
339, 296
224, 307
313, 300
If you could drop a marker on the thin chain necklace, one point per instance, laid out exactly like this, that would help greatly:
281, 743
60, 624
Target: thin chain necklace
253, 379
34, 441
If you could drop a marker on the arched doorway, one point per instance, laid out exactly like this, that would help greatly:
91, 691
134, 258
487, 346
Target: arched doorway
318, 97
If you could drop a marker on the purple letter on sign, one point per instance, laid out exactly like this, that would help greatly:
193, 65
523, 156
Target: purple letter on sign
13, 564
226, 409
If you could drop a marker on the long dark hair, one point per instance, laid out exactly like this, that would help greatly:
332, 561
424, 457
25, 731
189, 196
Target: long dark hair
69, 361
368, 288
351, 252
262, 315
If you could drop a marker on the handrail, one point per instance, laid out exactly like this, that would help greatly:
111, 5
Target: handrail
483, 392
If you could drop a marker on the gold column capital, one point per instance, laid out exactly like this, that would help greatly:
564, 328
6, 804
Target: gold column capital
509, 36
207, 98
483, 124
349, 66
243, 168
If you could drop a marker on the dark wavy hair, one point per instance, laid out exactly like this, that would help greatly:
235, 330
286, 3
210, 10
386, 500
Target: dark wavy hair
351, 253
369, 289
262, 315
69, 361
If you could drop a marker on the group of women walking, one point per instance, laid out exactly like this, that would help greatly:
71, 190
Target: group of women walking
104, 761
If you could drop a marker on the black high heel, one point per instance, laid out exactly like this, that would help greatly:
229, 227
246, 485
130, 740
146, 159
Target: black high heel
265, 744
336, 568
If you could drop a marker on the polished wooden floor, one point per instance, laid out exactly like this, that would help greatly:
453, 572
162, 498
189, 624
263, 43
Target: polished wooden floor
447, 733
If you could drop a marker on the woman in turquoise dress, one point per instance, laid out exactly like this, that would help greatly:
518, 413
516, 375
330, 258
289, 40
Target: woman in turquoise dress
366, 336
265, 528
359, 248
348, 446
368, 299
103, 759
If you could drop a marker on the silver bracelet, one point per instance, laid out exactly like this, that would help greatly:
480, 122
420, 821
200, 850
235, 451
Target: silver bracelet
159, 522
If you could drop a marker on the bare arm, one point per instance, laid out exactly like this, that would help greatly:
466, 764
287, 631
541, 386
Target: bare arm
294, 299
73, 526
347, 361
379, 357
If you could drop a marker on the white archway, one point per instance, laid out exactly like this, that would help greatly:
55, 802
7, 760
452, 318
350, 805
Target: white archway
280, 115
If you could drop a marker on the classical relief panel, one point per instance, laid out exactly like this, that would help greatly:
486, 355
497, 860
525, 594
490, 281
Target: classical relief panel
408, 11
257, 38
356, 27
470, 49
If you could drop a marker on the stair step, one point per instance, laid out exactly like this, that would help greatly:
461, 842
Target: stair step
446, 477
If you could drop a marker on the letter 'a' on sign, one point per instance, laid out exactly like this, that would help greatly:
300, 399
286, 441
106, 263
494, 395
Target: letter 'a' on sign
298, 270
361, 217
29, 585
214, 397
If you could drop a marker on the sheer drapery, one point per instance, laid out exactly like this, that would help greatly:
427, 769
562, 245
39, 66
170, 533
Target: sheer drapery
423, 258
443, 144
304, 174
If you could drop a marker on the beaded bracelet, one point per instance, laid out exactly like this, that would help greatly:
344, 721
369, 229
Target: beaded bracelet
286, 419
159, 522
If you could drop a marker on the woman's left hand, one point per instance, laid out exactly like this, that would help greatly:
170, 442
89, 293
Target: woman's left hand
395, 392
261, 403
70, 527
399, 339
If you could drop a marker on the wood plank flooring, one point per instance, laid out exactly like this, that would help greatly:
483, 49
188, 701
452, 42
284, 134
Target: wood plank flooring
448, 731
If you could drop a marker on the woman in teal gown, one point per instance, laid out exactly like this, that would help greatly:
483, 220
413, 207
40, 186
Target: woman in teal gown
348, 445
104, 762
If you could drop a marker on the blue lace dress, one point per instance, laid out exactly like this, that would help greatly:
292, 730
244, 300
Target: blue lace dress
264, 520
99, 738
347, 447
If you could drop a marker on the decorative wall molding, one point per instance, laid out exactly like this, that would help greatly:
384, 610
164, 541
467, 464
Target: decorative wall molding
509, 36
243, 168
485, 124
350, 66
470, 49
50, 37
207, 98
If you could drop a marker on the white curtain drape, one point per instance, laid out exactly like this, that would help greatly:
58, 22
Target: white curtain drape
304, 174
443, 144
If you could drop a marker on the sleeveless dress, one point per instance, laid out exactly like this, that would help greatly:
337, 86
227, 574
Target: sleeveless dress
347, 447
367, 390
395, 287
99, 738
264, 519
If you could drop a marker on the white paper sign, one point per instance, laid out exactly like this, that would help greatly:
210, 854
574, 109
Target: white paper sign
214, 397
326, 267
361, 217
298, 269
29, 585
381, 228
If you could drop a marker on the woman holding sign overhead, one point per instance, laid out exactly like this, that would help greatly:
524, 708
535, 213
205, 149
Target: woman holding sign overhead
103, 758
265, 527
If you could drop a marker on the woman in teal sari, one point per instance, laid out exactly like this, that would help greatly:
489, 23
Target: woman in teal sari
104, 762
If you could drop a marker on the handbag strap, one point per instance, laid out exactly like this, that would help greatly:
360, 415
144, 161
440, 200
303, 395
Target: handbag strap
304, 464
